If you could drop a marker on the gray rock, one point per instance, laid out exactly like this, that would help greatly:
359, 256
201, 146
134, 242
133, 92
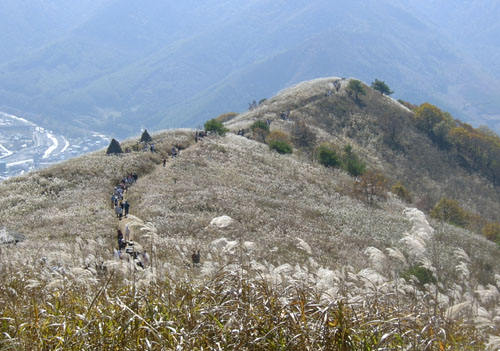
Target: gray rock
10, 237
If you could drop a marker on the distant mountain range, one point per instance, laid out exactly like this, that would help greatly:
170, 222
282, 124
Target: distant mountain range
115, 66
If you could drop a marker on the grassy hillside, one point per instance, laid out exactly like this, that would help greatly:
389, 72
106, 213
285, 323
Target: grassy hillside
305, 264
386, 136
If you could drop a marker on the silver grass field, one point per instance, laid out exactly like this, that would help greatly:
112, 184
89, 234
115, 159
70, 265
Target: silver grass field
303, 265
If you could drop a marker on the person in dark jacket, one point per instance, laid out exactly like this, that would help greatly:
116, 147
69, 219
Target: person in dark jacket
126, 207
121, 243
195, 257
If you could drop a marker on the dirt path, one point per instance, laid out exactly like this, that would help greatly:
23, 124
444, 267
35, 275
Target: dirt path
133, 229
135, 223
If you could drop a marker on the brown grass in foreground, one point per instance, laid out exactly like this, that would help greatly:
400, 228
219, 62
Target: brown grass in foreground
230, 311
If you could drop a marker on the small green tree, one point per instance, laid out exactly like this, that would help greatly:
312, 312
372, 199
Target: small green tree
280, 146
351, 163
380, 86
327, 156
371, 186
436, 123
356, 87
215, 126
259, 124
280, 142
450, 211
260, 130
400, 191
423, 275
302, 135
492, 231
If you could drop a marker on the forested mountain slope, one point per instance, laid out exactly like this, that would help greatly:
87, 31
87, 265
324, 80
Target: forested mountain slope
114, 66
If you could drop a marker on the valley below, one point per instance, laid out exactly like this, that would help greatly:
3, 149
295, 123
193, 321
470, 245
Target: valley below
26, 146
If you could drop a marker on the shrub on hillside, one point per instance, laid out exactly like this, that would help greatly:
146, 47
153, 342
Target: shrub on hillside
356, 88
215, 126
477, 150
260, 130
400, 191
259, 125
434, 122
254, 104
225, 117
423, 275
280, 146
450, 211
327, 156
302, 135
492, 231
280, 142
380, 86
351, 163
371, 186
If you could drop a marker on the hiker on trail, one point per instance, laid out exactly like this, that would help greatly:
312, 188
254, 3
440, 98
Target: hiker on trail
126, 207
119, 192
196, 137
135, 176
164, 162
127, 233
121, 242
152, 148
113, 198
118, 211
174, 152
195, 257
336, 84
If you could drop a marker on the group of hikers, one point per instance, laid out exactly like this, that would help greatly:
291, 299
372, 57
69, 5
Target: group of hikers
121, 207
126, 249
198, 135
118, 203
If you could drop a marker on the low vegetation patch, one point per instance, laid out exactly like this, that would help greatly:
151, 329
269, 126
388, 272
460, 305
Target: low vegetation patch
327, 156
400, 191
215, 126
279, 142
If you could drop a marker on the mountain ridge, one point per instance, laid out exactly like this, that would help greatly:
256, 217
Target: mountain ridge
167, 59
299, 230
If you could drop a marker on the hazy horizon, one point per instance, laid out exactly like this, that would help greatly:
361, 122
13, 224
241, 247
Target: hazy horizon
118, 66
